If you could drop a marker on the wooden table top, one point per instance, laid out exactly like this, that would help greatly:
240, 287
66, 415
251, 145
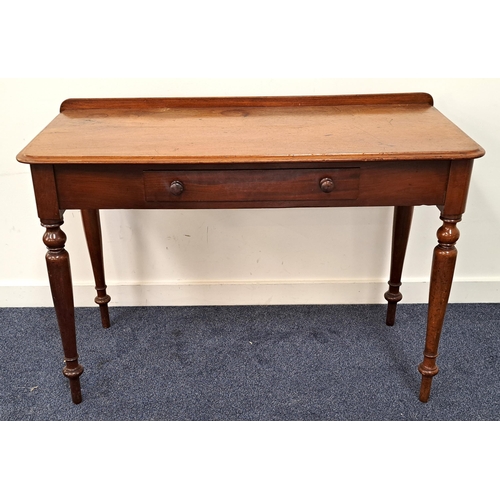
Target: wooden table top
253, 129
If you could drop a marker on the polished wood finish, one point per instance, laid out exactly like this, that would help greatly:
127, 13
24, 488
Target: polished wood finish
136, 186
294, 185
235, 130
443, 267
59, 272
137, 104
246, 152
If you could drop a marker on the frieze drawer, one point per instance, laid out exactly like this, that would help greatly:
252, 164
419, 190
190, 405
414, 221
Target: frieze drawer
251, 185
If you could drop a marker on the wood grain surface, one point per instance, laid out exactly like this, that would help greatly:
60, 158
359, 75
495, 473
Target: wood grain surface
236, 130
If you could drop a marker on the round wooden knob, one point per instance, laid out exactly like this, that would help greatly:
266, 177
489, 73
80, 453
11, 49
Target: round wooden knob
327, 185
176, 188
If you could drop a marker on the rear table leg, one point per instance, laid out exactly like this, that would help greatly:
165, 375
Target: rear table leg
400, 233
92, 227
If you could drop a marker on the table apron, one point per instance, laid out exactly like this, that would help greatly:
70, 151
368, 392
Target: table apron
389, 183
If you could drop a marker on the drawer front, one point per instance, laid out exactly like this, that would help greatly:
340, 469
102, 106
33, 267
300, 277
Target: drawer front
251, 185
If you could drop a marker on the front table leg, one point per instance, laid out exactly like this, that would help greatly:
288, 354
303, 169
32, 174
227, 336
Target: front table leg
443, 266
62, 293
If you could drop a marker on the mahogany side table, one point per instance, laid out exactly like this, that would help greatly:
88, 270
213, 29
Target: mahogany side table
251, 152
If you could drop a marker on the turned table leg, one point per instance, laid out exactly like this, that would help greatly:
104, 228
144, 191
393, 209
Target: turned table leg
92, 227
400, 233
443, 266
59, 271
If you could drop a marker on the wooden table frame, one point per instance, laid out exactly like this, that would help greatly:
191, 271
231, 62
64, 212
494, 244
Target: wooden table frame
265, 152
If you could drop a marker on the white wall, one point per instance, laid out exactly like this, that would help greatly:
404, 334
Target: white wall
338, 255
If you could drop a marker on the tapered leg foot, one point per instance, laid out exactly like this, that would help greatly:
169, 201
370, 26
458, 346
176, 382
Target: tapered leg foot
73, 373
92, 227
102, 302
400, 233
425, 388
392, 299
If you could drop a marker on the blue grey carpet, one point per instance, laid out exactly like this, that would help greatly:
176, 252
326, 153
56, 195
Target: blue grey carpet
251, 363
